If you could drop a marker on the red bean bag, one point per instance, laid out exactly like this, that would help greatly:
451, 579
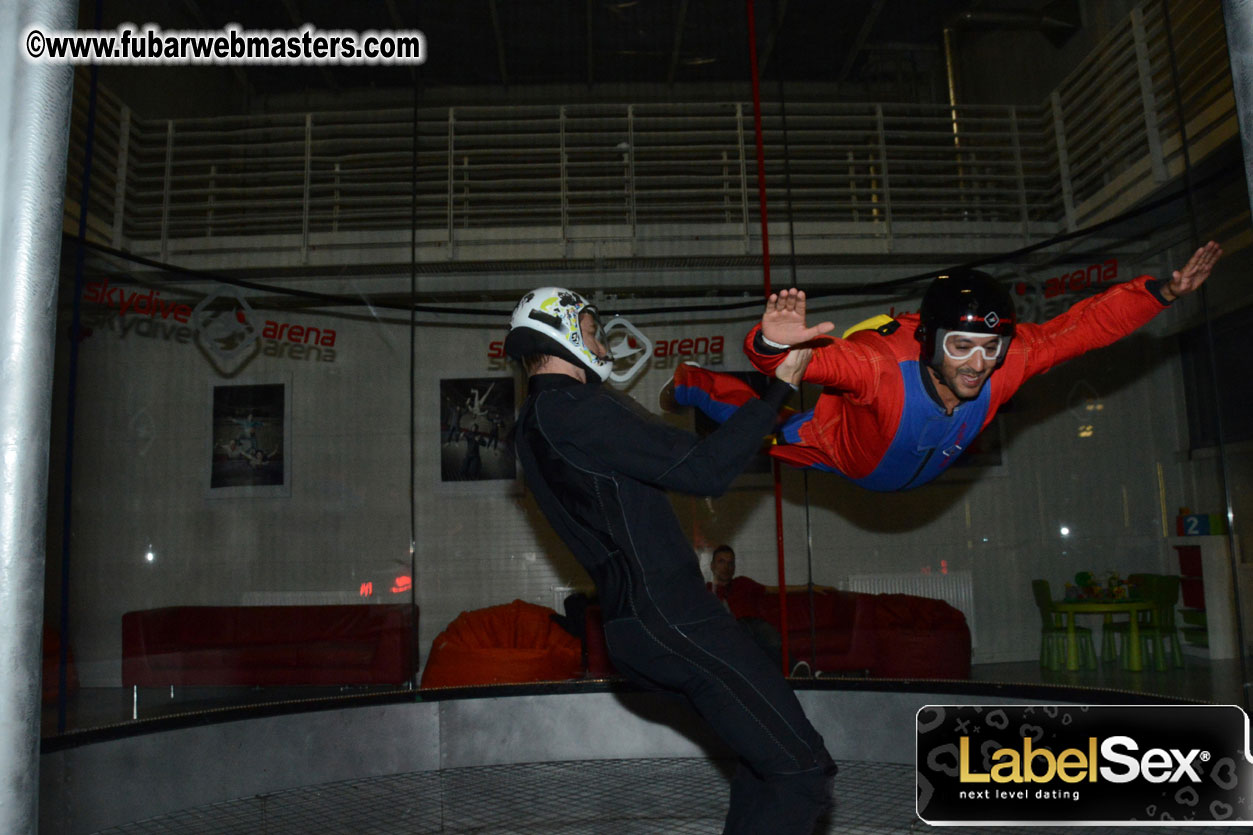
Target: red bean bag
510, 644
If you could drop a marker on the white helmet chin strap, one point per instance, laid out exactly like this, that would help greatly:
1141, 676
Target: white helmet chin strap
621, 349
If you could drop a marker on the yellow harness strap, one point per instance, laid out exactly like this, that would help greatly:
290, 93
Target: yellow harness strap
871, 324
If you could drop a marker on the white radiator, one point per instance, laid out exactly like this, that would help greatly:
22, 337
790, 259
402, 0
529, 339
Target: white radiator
560, 593
309, 598
954, 588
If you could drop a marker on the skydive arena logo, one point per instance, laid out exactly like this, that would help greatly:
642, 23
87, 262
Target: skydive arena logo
223, 323
1034, 764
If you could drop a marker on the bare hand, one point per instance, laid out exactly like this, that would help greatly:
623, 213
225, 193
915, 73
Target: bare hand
792, 369
1193, 275
784, 320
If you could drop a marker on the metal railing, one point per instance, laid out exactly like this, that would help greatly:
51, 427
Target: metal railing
563, 174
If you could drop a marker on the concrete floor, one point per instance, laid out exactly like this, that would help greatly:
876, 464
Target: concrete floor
596, 797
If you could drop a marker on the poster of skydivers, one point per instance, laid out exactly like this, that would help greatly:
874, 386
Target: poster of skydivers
249, 429
476, 427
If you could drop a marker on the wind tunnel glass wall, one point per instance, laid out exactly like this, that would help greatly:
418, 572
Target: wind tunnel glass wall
229, 519
283, 465
237, 512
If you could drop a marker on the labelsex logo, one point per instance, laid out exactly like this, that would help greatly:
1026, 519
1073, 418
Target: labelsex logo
1040, 765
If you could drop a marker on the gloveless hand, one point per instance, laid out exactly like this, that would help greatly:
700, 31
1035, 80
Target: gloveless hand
1193, 275
783, 322
792, 369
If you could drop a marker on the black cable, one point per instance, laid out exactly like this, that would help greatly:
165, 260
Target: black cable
413, 406
791, 238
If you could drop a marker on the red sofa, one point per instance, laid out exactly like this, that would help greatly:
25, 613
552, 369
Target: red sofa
268, 645
881, 635
842, 639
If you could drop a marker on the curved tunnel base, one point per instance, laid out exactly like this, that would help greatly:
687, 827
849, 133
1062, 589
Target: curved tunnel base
583, 758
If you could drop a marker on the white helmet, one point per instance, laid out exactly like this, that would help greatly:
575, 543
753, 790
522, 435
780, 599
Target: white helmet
546, 321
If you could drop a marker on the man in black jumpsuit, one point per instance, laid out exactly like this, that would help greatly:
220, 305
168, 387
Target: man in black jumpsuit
599, 466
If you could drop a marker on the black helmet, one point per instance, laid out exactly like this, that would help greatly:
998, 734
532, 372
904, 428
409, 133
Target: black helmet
970, 301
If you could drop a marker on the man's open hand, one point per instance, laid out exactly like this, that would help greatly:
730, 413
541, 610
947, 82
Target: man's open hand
783, 323
1193, 275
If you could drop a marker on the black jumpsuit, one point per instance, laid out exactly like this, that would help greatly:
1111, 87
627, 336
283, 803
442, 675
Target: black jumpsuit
599, 465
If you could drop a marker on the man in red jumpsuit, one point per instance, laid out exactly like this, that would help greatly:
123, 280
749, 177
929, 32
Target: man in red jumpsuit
900, 402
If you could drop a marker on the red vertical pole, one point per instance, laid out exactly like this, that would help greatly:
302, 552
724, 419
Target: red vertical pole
761, 150
765, 270
782, 571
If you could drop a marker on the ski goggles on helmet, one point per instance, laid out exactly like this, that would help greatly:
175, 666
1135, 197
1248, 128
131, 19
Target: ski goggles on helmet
962, 345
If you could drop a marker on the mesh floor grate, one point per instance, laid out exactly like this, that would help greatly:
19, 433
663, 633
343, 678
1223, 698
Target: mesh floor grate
599, 797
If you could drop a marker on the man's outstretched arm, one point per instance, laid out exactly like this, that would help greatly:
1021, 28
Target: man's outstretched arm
604, 433
1105, 318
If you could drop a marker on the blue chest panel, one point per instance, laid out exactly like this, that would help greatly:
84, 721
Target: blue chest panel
927, 441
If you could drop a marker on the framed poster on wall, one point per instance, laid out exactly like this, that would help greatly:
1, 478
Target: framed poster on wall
251, 438
476, 427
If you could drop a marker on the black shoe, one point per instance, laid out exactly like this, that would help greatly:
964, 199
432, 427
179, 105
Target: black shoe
665, 399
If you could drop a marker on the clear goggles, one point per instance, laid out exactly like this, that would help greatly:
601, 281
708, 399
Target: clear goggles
962, 345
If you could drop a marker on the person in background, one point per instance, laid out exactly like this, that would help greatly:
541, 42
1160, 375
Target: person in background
744, 597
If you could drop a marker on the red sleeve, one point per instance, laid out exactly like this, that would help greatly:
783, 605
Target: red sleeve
744, 597
1092, 323
765, 363
842, 364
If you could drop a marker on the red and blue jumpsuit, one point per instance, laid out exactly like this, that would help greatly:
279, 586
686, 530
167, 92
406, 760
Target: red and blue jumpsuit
879, 421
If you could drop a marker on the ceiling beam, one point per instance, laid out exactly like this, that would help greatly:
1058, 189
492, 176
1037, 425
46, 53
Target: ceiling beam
500, 43
193, 9
860, 41
900, 46
399, 25
678, 42
770, 39
394, 14
294, 13
591, 75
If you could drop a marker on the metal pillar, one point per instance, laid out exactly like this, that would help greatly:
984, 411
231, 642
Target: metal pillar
1238, 17
34, 135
